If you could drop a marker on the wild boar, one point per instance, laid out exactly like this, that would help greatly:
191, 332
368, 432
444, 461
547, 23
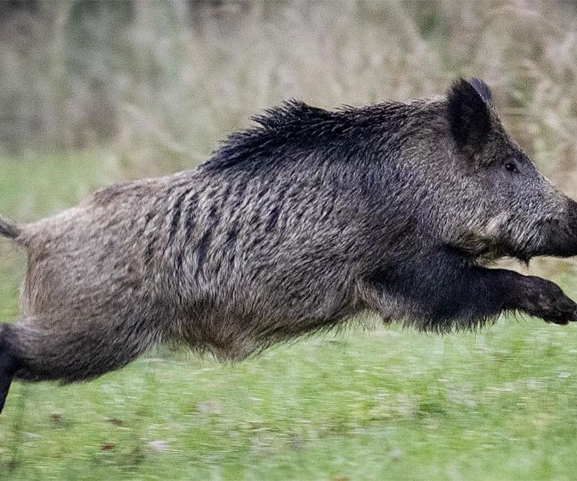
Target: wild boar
295, 225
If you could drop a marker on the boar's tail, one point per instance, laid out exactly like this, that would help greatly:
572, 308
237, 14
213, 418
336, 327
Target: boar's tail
9, 228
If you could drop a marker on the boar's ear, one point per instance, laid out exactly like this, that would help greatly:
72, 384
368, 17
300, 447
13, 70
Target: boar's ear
469, 113
483, 90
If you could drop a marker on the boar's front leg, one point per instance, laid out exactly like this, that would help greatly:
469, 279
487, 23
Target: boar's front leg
498, 290
538, 297
488, 292
445, 299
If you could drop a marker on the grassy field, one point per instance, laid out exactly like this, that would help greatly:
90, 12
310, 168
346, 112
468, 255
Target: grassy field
363, 406
358, 405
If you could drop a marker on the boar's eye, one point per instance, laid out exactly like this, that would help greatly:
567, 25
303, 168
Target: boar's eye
511, 167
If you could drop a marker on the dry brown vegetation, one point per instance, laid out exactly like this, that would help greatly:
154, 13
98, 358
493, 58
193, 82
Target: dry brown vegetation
162, 82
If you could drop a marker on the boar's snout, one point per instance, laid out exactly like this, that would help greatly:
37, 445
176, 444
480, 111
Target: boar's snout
562, 238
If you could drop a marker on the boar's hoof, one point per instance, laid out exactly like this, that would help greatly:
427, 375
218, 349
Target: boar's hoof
546, 300
562, 312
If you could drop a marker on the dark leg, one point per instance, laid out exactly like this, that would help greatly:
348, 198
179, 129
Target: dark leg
8, 365
43, 349
456, 298
540, 298
488, 292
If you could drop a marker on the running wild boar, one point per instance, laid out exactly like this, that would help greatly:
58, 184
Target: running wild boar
295, 225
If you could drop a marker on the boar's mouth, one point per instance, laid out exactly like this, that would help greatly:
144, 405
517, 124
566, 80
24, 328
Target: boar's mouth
513, 238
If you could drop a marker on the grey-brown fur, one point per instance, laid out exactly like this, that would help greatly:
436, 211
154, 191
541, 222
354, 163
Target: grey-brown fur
295, 225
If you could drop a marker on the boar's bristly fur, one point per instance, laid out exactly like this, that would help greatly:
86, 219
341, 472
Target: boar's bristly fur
293, 226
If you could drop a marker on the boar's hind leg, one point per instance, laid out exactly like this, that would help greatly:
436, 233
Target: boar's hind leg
40, 349
8, 366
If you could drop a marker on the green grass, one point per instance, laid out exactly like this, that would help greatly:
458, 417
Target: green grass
386, 404
361, 405
39, 184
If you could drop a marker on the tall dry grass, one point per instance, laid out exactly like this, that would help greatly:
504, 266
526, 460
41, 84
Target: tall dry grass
162, 82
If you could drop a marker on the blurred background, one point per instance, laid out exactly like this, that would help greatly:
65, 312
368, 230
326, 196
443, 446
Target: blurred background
158, 83
93, 92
